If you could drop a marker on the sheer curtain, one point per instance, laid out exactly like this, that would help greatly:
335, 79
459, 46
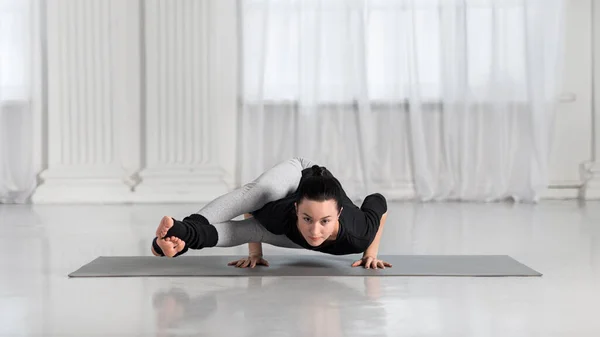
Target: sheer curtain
17, 175
452, 99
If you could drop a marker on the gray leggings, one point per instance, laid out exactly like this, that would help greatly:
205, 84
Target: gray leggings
276, 183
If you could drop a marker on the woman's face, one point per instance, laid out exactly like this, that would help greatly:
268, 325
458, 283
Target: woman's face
317, 220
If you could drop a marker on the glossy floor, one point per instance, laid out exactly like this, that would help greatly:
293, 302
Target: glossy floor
42, 244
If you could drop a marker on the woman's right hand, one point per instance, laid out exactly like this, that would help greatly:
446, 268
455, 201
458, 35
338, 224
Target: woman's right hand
250, 261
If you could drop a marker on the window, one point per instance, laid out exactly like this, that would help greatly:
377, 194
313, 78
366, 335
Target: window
14, 50
390, 50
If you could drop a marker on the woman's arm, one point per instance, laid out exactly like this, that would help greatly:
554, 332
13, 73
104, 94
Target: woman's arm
373, 248
254, 248
369, 259
255, 254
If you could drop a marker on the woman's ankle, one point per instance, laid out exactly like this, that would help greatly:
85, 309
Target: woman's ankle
156, 249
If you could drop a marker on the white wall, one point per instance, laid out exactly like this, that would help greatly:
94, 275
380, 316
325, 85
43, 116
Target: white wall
573, 124
142, 102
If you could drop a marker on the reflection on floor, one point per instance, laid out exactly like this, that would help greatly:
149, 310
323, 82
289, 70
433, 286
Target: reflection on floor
42, 244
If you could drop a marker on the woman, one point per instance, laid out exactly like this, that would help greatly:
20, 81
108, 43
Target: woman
295, 204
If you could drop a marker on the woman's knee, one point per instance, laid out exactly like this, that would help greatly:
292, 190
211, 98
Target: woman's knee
278, 182
303, 162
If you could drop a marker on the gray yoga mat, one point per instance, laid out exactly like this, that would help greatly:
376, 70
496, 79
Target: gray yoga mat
305, 265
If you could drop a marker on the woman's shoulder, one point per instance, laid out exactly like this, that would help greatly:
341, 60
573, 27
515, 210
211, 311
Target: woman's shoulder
279, 207
274, 214
357, 224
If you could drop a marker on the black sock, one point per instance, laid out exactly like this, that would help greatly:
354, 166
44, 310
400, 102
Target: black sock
196, 231
157, 248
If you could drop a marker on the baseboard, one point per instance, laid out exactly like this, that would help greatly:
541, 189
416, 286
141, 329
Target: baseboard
163, 193
590, 175
95, 184
82, 192
556, 190
116, 192
180, 185
561, 193
113, 191
405, 191
591, 190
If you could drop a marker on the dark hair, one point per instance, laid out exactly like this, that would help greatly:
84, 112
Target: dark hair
320, 186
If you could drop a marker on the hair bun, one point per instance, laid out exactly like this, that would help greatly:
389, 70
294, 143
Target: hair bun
318, 171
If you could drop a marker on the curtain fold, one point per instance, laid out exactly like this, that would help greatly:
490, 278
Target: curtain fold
452, 99
17, 36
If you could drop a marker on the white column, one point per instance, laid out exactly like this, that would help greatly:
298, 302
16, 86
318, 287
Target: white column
93, 101
190, 99
590, 171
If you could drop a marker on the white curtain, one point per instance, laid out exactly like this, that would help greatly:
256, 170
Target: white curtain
452, 99
17, 175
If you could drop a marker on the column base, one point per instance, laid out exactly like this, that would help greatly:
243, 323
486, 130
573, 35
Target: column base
181, 185
82, 185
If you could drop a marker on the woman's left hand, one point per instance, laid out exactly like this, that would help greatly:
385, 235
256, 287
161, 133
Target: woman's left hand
370, 262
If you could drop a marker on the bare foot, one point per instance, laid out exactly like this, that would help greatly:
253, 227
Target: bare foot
165, 224
170, 246
179, 244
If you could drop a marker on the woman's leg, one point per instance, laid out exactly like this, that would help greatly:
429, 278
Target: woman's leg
276, 183
230, 233
196, 231
235, 233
